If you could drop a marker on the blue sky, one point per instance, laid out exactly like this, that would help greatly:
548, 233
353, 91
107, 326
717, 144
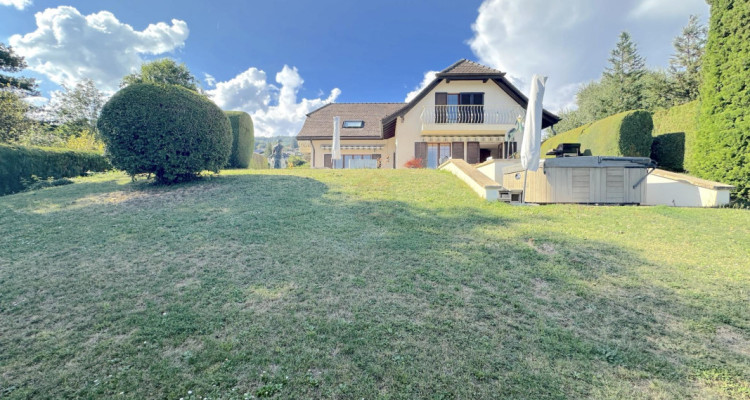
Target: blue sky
280, 59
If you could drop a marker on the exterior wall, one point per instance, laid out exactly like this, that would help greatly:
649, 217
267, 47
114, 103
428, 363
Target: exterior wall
409, 130
493, 169
483, 186
670, 192
386, 153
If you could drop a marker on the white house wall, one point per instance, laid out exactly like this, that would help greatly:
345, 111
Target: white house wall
409, 130
386, 153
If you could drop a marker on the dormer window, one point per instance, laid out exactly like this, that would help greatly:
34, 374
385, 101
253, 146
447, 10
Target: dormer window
354, 124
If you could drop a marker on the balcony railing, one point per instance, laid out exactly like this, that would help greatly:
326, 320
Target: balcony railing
470, 114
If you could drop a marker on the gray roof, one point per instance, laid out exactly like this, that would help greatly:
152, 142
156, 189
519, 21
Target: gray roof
465, 67
319, 123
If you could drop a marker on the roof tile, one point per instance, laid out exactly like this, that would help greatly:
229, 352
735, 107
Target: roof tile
319, 123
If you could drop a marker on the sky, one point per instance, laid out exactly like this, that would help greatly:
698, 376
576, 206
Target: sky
279, 60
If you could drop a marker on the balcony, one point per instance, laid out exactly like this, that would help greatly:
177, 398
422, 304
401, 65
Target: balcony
469, 119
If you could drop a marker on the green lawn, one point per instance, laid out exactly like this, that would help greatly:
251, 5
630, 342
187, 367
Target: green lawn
364, 284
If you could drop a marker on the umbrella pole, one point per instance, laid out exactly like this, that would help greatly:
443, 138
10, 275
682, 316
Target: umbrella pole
523, 194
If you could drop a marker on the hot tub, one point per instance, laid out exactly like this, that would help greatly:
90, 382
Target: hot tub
587, 180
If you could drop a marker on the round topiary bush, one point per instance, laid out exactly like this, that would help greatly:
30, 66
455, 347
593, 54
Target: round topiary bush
167, 130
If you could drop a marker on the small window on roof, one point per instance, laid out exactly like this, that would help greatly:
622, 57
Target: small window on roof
354, 124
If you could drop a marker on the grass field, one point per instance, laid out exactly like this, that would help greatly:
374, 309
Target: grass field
364, 284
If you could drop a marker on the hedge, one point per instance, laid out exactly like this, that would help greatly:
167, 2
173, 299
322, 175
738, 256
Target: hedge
668, 150
166, 130
723, 141
19, 165
627, 134
259, 161
243, 139
667, 126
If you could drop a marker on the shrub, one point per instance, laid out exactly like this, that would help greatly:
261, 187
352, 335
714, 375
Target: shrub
296, 162
242, 139
669, 150
259, 162
682, 118
414, 163
723, 140
22, 166
626, 134
166, 130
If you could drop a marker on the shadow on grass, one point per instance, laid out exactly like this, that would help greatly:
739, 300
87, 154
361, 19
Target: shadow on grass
247, 283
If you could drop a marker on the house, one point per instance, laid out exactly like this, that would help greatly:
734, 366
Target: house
464, 113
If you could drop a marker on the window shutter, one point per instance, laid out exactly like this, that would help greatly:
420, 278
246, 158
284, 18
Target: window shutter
457, 150
327, 161
441, 100
478, 99
472, 152
420, 151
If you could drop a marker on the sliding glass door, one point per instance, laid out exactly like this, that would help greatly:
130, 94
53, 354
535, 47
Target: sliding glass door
437, 153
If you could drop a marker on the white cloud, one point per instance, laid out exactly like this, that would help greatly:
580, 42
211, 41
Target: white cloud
429, 76
275, 110
659, 9
210, 80
18, 4
68, 46
569, 41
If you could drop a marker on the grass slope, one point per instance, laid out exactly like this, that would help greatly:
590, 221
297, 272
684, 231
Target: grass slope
364, 284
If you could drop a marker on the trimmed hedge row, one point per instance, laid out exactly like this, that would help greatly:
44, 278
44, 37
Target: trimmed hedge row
668, 150
258, 161
627, 134
676, 152
19, 164
243, 139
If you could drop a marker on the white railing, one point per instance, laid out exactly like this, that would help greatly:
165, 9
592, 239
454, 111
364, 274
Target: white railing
471, 114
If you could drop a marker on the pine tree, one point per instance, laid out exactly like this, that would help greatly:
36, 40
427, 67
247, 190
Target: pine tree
723, 142
11, 62
624, 74
685, 64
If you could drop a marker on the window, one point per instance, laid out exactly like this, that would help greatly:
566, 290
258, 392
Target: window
354, 124
465, 108
437, 153
352, 161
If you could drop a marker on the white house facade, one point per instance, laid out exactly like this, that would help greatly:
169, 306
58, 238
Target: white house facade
464, 113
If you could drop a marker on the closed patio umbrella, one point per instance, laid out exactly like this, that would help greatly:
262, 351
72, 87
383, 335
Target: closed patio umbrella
532, 129
336, 145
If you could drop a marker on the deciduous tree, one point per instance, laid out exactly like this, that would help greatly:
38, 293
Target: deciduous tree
164, 71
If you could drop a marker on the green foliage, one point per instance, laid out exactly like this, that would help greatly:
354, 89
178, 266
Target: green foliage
678, 119
243, 142
668, 150
723, 142
12, 62
166, 130
164, 71
76, 109
295, 161
14, 122
22, 166
685, 64
258, 161
657, 90
624, 73
627, 85
626, 134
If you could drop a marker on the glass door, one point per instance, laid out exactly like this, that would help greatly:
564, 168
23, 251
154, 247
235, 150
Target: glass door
452, 108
